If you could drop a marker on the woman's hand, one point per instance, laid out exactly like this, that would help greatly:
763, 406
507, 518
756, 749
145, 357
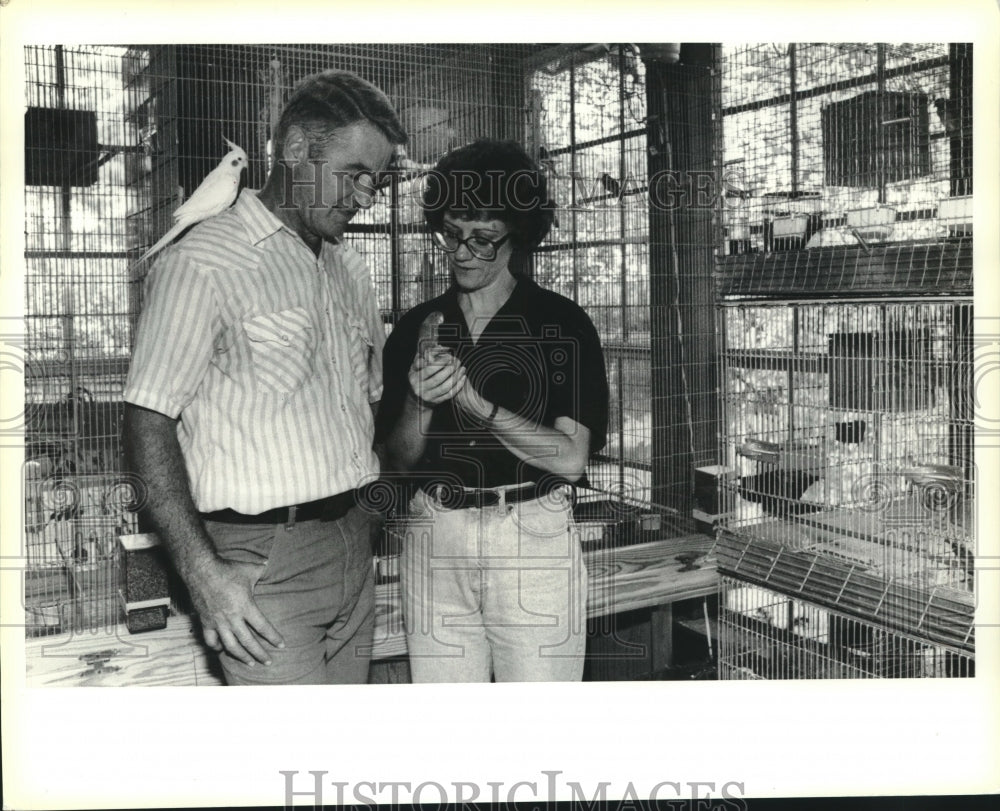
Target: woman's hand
435, 376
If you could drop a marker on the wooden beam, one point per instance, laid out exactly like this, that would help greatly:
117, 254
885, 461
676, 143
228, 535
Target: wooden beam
683, 137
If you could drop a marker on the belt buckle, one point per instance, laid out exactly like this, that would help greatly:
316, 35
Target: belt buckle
567, 490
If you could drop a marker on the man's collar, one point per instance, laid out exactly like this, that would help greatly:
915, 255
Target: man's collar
260, 222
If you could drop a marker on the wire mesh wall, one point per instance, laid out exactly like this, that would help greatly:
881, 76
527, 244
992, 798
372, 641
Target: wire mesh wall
846, 481
589, 125
841, 417
78, 334
118, 137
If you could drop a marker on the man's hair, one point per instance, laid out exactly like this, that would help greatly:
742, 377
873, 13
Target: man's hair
490, 179
325, 102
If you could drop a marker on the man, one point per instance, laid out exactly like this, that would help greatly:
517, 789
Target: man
248, 415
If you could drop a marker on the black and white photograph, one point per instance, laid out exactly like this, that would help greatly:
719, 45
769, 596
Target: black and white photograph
630, 381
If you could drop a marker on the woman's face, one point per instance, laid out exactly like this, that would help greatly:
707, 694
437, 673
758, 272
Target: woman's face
470, 272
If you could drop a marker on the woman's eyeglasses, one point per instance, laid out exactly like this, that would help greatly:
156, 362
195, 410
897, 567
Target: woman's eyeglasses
480, 247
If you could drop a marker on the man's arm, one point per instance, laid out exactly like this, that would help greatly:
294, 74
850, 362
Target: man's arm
222, 591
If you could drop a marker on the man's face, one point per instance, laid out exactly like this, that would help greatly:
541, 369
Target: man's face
332, 187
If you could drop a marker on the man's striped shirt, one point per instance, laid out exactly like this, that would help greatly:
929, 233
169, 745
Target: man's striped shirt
269, 356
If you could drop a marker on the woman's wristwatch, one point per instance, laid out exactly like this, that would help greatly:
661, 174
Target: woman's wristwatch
488, 422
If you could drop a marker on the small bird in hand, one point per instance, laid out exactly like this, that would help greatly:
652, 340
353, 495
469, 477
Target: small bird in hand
427, 337
215, 194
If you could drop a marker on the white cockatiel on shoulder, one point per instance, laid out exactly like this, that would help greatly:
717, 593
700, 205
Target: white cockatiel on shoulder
214, 195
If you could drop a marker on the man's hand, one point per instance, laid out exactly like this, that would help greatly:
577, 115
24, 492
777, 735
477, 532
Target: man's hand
222, 591
222, 594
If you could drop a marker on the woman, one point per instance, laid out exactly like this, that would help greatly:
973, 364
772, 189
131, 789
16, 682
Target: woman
495, 397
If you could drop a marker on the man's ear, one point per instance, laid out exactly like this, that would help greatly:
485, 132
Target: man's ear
296, 149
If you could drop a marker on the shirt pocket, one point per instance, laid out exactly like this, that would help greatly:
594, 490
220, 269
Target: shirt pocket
283, 347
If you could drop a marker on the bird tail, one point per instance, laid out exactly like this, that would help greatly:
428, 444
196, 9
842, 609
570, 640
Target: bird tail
163, 241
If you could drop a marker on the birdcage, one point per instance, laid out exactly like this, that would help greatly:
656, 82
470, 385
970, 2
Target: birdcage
845, 317
848, 432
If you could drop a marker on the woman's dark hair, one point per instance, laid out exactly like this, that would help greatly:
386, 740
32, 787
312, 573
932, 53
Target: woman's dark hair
325, 102
490, 179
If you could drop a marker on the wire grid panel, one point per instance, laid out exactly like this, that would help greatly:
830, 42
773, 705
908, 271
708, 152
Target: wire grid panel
848, 431
79, 311
765, 634
589, 125
586, 127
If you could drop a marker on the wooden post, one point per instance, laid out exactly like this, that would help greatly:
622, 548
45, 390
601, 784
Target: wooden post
684, 164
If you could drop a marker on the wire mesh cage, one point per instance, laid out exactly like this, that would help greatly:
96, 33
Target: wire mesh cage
78, 336
825, 140
839, 180
848, 431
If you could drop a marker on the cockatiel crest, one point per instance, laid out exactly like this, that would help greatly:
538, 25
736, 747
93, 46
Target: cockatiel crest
214, 195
